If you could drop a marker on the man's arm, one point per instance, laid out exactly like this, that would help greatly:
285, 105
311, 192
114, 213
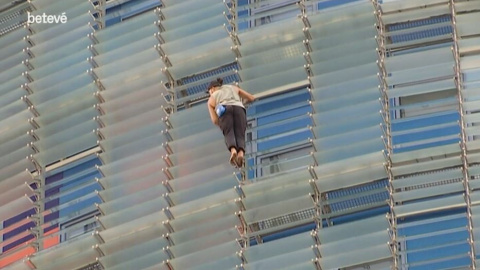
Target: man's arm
249, 98
211, 110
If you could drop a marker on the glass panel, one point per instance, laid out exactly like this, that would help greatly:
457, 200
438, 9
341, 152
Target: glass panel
353, 229
130, 26
342, 64
12, 70
143, 261
197, 165
119, 203
14, 207
146, 186
132, 252
66, 135
364, 108
273, 66
147, 86
349, 164
14, 144
327, 90
15, 168
109, 46
134, 160
144, 44
351, 150
421, 154
222, 56
370, 254
187, 143
199, 177
79, 117
66, 149
344, 37
272, 55
203, 189
215, 212
467, 45
152, 67
229, 262
53, 78
325, 128
81, 258
56, 66
278, 209
14, 36
407, 4
201, 39
423, 88
125, 64
278, 247
147, 235
12, 61
148, 118
135, 212
128, 172
426, 166
60, 29
21, 178
202, 23
132, 110
443, 203
132, 227
202, 241
284, 260
427, 192
418, 74
185, 6
21, 189
277, 195
151, 129
466, 23
45, 55
281, 80
133, 148
69, 248
18, 154
332, 182
206, 202
416, 14
206, 255
186, 19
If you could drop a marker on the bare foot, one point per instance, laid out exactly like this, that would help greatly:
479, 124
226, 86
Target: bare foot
233, 157
240, 159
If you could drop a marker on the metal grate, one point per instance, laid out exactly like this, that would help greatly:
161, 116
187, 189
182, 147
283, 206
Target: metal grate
290, 218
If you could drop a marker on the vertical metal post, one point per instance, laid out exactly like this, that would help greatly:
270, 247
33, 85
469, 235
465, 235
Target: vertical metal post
463, 140
383, 87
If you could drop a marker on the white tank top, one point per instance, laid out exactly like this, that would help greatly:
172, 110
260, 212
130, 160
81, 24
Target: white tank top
227, 95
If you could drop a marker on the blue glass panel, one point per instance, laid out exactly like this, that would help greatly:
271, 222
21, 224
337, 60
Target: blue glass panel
456, 263
283, 115
437, 253
300, 123
274, 143
424, 121
433, 133
289, 232
432, 227
437, 240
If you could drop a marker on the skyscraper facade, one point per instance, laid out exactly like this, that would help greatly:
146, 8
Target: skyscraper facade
362, 148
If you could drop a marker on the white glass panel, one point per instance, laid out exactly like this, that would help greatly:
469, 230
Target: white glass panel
423, 88
423, 73
130, 26
421, 154
60, 29
14, 36
151, 67
272, 55
466, 24
206, 202
426, 166
467, 45
200, 177
68, 148
69, 121
14, 207
132, 110
125, 64
53, 67
132, 123
145, 185
15, 168
443, 203
137, 159
144, 261
203, 23
206, 255
197, 165
416, 14
343, 38
202, 241
273, 66
189, 18
133, 251
54, 78
152, 129
70, 248
214, 186
119, 204
350, 164
278, 209
66, 135
277, 80
146, 223
118, 44
135, 147
125, 51
427, 192
390, 6
18, 154
170, 11
126, 173
148, 86
135, 212
364, 108
342, 64
19, 179
15, 126
370, 254
283, 260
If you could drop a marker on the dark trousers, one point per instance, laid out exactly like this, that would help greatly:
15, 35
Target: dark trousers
234, 124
